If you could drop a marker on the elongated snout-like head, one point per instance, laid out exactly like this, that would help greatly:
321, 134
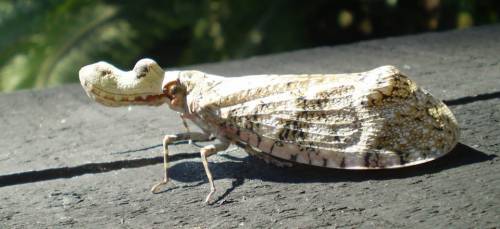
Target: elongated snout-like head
111, 86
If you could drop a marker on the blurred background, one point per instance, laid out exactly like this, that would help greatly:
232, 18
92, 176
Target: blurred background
45, 42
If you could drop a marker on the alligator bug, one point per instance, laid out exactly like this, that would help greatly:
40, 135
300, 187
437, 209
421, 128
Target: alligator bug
377, 119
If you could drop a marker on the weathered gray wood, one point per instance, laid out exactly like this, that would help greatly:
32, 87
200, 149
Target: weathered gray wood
59, 132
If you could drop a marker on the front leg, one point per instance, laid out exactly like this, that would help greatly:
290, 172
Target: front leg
169, 139
205, 152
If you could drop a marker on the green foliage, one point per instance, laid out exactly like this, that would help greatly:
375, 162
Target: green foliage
48, 40
45, 42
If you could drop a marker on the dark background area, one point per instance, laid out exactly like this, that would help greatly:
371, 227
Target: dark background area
44, 43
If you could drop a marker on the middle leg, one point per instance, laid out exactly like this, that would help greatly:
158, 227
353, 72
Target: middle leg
169, 139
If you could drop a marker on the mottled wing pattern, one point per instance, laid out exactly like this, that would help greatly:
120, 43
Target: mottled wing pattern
352, 121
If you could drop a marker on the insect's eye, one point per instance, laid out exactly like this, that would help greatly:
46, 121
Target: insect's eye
170, 90
174, 90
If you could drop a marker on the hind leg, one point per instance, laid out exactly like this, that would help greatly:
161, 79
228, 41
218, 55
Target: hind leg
206, 152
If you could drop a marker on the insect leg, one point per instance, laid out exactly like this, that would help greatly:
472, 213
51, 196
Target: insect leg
184, 122
169, 139
206, 152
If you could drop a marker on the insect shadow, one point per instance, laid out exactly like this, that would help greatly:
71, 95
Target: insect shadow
254, 168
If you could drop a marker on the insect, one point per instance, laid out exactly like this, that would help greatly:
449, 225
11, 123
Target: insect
379, 119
